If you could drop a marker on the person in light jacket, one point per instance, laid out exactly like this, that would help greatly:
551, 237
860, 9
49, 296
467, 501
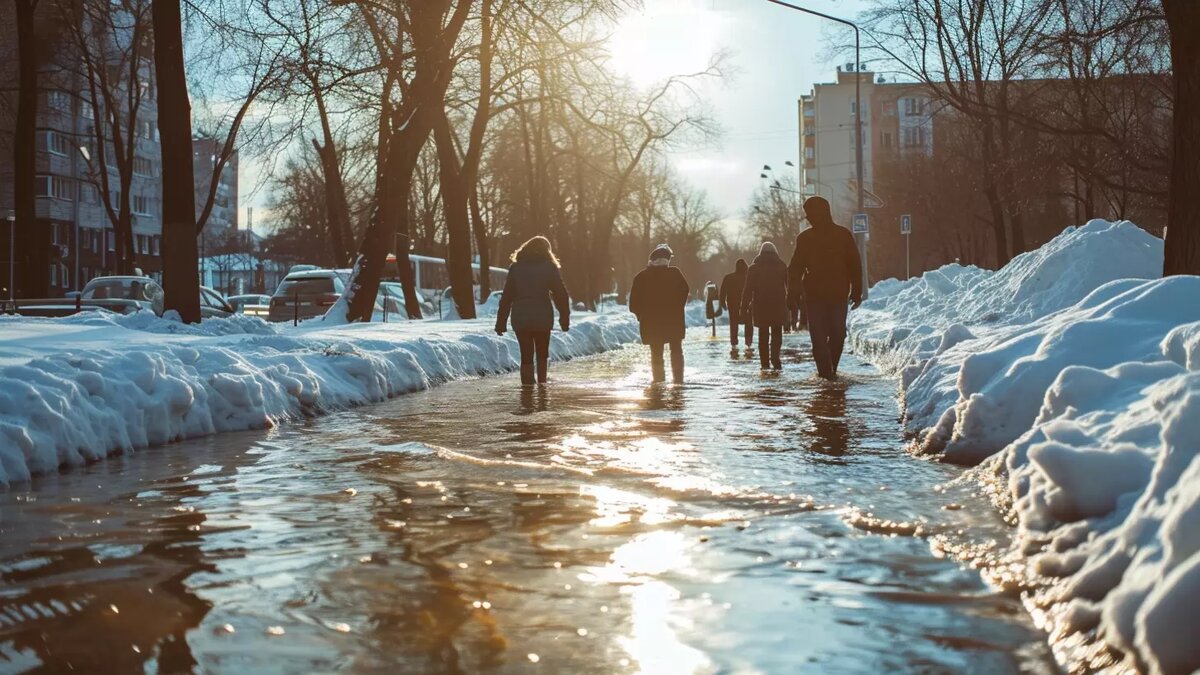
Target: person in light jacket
534, 281
657, 298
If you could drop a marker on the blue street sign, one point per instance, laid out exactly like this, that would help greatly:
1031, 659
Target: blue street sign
860, 224
906, 224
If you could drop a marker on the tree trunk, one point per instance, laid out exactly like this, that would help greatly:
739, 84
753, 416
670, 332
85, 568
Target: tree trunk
337, 208
482, 247
181, 282
32, 241
458, 224
1183, 209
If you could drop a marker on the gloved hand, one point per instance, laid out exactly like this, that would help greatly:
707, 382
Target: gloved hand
500, 331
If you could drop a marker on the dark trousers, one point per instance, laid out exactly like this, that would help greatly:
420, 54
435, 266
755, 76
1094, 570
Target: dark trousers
736, 321
770, 341
827, 327
656, 361
535, 344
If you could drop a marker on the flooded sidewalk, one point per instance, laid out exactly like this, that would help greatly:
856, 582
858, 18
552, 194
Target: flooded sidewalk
744, 522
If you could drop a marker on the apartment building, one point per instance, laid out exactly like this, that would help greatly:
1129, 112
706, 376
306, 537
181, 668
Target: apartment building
74, 222
898, 119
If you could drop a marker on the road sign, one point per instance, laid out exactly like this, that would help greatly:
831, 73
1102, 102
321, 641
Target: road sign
860, 224
906, 224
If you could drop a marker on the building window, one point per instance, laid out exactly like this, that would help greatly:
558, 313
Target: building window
141, 205
808, 153
155, 244
914, 137
914, 106
57, 143
56, 187
886, 140
143, 166
111, 240
853, 107
889, 108
88, 194
59, 100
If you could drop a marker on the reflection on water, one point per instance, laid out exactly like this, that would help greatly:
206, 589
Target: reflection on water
590, 525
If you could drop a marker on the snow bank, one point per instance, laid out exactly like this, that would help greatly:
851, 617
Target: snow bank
1074, 374
75, 390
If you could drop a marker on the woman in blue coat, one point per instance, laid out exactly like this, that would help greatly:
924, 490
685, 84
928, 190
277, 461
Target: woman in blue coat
534, 279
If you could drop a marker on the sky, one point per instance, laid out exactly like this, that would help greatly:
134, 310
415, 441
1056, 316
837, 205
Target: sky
775, 55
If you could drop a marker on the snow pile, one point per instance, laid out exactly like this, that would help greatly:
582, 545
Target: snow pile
1077, 372
83, 388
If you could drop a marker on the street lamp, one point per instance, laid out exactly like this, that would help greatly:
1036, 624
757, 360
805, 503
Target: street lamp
12, 248
858, 115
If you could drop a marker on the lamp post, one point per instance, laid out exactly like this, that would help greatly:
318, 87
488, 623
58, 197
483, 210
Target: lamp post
12, 248
858, 138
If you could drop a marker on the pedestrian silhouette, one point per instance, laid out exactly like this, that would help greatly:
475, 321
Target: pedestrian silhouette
534, 279
826, 266
657, 298
731, 301
765, 300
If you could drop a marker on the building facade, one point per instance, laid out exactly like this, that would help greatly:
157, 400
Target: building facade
898, 120
73, 219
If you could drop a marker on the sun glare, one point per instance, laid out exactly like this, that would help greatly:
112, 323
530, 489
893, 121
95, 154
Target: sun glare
667, 37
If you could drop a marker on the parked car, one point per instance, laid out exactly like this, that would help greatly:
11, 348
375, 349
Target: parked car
124, 294
253, 304
309, 293
212, 304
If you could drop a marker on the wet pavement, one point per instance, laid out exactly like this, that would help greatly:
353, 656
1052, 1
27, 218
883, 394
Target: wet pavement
744, 522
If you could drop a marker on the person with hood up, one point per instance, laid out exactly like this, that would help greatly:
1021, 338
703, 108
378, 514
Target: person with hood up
657, 298
827, 267
765, 300
731, 301
534, 278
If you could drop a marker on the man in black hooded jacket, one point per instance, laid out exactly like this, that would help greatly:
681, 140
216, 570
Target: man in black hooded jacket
826, 266
731, 301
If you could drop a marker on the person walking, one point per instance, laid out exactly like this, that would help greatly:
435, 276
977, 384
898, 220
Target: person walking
765, 300
657, 298
534, 279
731, 301
826, 266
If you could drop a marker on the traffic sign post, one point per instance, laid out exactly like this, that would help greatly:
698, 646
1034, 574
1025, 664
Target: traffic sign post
860, 224
906, 230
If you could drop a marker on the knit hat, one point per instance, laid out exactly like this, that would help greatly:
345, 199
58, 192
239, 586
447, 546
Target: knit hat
768, 247
662, 251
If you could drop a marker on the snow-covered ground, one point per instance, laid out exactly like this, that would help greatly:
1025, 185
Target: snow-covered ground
1073, 375
77, 389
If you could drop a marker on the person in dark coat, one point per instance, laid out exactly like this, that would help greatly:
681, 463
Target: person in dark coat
826, 265
534, 279
657, 297
765, 298
731, 301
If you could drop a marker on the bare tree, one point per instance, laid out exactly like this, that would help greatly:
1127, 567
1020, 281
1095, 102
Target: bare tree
1183, 211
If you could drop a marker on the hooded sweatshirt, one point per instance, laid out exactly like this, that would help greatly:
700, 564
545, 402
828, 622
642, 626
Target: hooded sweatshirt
765, 294
825, 263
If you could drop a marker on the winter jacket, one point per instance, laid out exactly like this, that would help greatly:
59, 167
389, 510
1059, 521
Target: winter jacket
657, 298
826, 264
765, 295
731, 291
527, 293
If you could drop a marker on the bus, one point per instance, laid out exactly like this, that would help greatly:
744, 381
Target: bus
431, 276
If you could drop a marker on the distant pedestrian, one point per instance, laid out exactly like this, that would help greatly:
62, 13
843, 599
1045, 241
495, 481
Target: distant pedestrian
534, 279
731, 301
826, 265
765, 300
657, 298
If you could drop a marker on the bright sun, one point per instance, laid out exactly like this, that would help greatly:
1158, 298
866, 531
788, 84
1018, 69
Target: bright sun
667, 37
